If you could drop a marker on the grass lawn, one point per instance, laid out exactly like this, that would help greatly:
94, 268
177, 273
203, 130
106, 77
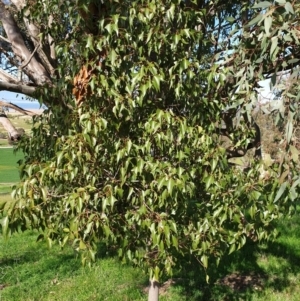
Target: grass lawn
267, 272
19, 121
4, 142
8, 165
5, 189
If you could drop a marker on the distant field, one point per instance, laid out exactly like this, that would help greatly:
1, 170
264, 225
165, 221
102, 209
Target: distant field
3, 142
8, 165
19, 121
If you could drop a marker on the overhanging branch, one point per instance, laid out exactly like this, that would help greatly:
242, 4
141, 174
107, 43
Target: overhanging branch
7, 77
17, 108
24, 89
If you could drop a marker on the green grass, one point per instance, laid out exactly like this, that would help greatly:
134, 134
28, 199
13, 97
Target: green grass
8, 165
19, 121
266, 272
5, 189
4, 142
33, 272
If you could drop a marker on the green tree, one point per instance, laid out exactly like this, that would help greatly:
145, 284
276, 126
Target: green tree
141, 95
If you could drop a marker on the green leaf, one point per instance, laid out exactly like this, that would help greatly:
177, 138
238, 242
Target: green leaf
59, 157
254, 21
274, 45
295, 153
289, 131
112, 56
170, 12
280, 191
293, 61
156, 82
90, 42
232, 248
176, 39
170, 185
230, 19
289, 8
204, 260
175, 241
268, 24
262, 4
82, 245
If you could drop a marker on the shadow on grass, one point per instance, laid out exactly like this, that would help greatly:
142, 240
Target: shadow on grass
239, 276
23, 261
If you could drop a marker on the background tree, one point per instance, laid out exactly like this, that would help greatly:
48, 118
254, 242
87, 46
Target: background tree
139, 94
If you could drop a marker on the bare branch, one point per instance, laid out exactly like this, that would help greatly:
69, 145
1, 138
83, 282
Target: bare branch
34, 31
17, 108
18, 88
29, 59
7, 77
9, 127
4, 39
51, 40
35, 71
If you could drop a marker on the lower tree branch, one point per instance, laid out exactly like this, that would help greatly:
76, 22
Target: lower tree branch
27, 90
7, 77
14, 135
17, 108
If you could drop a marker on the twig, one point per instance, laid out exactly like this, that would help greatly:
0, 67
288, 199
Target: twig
4, 39
29, 59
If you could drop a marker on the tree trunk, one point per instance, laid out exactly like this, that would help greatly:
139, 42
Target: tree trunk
153, 290
35, 71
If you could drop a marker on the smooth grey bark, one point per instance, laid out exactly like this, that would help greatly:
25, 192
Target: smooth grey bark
34, 31
7, 77
34, 70
18, 88
13, 134
15, 107
153, 294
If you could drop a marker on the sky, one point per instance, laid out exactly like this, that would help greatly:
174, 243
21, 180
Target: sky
19, 99
264, 91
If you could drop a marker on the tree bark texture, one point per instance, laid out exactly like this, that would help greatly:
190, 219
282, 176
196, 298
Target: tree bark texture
35, 71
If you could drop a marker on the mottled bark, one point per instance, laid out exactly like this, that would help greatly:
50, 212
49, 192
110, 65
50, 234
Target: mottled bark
34, 70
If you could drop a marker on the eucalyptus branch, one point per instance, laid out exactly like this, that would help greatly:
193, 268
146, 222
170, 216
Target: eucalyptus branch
17, 108
4, 39
29, 59
18, 88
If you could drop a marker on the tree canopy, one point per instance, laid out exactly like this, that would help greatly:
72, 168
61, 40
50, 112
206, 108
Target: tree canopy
148, 102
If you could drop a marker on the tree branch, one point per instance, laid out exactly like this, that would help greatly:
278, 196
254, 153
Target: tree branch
4, 39
27, 90
29, 59
48, 63
17, 108
34, 70
9, 127
7, 77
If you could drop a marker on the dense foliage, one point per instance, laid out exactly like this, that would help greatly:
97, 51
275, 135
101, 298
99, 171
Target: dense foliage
129, 152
